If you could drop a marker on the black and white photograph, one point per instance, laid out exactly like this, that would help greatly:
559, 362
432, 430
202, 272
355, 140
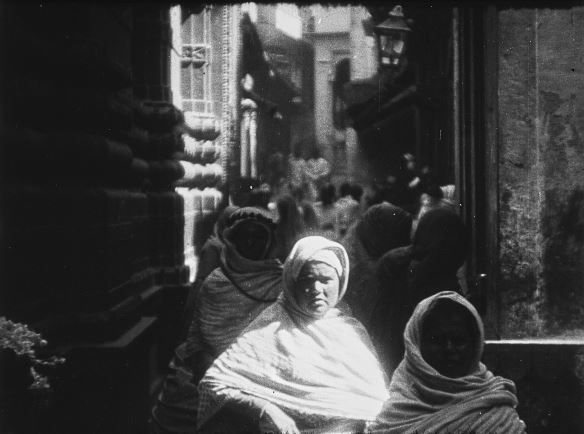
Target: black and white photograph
291, 218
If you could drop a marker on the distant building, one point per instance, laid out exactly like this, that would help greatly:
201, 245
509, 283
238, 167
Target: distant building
287, 59
342, 52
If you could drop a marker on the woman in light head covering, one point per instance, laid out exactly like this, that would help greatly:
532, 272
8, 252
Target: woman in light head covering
302, 364
441, 386
382, 227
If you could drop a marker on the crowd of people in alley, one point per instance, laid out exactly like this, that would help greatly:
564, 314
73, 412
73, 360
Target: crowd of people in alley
344, 311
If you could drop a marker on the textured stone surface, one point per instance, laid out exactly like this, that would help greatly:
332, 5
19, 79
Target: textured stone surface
541, 172
549, 384
519, 168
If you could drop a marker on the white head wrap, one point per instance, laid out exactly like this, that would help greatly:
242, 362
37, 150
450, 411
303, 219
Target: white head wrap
313, 249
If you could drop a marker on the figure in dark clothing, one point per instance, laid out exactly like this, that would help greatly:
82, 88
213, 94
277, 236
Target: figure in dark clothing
408, 185
209, 259
356, 192
410, 274
309, 218
348, 210
248, 280
326, 211
382, 227
290, 227
260, 197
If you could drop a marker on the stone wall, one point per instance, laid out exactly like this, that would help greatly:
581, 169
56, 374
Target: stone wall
548, 376
541, 172
92, 245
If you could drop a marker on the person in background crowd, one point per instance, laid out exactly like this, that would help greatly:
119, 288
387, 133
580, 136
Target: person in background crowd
390, 190
326, 211
441, 386
448, 193
247, 281
298, 194
410, 274
434, 198
290, 225
297, 169
357, 194
260, 197
408, 184
302, 365
382, 227
309, 218
209, 260
276, 173
375, 195
244, 188
317, 173
348, 210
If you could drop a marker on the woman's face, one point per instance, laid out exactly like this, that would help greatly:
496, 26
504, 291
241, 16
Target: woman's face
317, 288
448, 344
251, 240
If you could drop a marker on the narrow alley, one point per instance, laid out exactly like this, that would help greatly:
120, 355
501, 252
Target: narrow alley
242, 217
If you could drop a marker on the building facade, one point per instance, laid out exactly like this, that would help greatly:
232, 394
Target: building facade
342, 52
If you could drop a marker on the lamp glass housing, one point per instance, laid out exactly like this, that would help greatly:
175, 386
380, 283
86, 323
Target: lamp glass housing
392, 37
391, 48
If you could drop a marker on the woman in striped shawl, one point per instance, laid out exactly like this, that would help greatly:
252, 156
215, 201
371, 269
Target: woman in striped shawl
248, 280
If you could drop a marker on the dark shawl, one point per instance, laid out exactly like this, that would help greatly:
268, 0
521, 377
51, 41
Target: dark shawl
409, 274
382, 228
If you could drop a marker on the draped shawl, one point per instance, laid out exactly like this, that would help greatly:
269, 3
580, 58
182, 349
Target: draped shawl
231, 297
322, 368
424, 401
228, 300
211, 250
438, 251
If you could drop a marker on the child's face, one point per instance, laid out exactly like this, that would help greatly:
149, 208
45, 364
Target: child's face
447, 345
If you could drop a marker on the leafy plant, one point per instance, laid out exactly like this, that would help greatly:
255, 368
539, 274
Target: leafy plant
23, 341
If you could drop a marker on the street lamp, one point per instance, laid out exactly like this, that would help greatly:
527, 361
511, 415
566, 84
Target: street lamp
391, 39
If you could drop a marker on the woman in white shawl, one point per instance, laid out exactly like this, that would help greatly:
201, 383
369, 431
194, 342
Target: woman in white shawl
302, 365
441, 386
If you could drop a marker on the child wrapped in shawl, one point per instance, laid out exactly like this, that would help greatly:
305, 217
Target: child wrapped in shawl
302, 365
441, 387
247, 280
